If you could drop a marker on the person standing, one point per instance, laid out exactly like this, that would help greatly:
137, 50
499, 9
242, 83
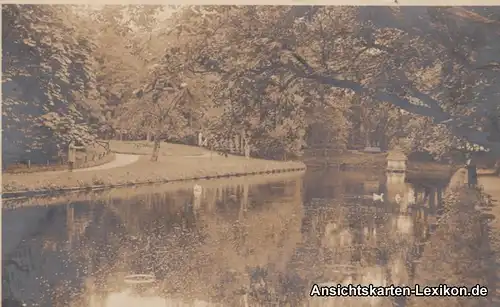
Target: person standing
72, 154
471, 173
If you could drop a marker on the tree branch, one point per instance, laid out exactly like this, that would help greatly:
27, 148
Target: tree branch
437, 114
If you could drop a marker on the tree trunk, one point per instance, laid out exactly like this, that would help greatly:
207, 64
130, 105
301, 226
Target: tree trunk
200, 139
367, 139
156, 149
242, 142
247, 148
237, 143
231, 145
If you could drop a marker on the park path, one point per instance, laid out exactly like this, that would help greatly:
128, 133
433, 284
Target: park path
491, 186
126, 159
119, 161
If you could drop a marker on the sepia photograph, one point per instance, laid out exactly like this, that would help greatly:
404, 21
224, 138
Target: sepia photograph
250, 155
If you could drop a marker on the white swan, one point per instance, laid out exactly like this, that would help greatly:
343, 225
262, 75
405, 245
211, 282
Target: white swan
377, 197
398, 198
197, 189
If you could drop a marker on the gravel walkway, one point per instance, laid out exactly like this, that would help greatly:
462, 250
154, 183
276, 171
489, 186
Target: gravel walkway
119, 161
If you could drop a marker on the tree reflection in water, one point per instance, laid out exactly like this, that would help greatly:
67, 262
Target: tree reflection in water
234, 244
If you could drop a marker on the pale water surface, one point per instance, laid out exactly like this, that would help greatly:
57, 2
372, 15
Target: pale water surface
233, 245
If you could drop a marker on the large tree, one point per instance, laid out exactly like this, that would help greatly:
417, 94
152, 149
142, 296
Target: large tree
169, 100
127, 43
278, 76
434, 66
47, 80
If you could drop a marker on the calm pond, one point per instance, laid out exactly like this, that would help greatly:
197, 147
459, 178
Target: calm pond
228, 243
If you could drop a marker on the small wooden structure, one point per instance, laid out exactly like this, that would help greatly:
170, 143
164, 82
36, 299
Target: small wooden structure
396, 161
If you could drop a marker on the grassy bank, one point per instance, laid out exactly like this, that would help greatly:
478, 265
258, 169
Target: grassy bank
178, 163
141, 190
356, 160
458, 252
491, 186
146, 148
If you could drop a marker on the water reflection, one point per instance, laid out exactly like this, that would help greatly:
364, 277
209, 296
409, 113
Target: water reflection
230, 245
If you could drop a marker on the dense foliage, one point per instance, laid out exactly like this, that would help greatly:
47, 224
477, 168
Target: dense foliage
282, 78
47, 79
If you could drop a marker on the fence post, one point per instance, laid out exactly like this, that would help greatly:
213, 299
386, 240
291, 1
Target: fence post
29, 163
